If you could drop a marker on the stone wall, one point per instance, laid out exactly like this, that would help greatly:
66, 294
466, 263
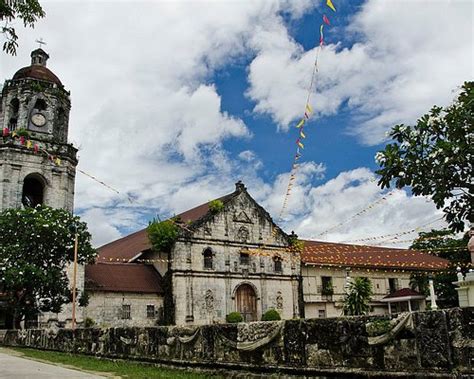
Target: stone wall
429, 343
105, 308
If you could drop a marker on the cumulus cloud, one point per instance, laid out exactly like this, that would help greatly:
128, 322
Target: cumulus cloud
407, 59
328, 211
149, 121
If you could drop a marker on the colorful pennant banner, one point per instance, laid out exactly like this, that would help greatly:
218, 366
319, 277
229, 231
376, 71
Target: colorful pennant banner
308, 111
24, 140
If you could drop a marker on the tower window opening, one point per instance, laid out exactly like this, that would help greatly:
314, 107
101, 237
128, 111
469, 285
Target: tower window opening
40, 105
61, 116
33, 192
15, 108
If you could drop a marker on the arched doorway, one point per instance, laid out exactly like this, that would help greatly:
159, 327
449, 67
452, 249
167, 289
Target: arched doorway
33, 191
246, 302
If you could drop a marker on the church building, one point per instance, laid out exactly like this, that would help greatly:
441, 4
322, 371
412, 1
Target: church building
230, 260
229, 255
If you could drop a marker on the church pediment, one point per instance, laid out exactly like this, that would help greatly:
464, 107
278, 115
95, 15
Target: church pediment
242, 217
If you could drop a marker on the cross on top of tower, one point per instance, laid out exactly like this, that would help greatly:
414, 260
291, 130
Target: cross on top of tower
40, 42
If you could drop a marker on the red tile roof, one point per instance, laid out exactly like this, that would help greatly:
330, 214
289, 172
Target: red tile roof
338, 254
127, 277
404, 292
126, 248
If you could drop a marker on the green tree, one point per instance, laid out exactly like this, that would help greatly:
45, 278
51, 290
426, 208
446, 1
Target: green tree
435, 157
36, 245
358, 296
162, 234
444, 244
28, 11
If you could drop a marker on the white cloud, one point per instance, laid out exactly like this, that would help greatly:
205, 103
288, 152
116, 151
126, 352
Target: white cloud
149, 121
408, 58
332, 206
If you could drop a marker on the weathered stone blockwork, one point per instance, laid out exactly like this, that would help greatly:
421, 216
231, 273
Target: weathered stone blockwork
440, 342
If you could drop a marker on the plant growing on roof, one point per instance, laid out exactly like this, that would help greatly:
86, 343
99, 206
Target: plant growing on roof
162, 234
215, 206
21, 132
294, 244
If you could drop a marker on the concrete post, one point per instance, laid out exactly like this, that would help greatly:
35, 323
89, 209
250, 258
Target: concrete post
434, 306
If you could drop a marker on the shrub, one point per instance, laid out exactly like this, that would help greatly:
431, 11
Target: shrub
21, 132
327, 290
84, 299
271, 315
234, 317
215, 206
88, 322
378, 327
358, 296
162, 234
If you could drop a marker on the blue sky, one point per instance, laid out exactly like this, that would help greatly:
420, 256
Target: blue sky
173, 102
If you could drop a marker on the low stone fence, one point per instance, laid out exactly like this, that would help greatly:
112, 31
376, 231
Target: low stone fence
420, 344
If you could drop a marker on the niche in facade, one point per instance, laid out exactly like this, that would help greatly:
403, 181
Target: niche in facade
33, 191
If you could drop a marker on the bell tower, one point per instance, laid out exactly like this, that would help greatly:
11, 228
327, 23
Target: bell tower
37, 165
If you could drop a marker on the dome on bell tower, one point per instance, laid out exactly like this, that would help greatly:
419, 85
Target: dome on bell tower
37, 70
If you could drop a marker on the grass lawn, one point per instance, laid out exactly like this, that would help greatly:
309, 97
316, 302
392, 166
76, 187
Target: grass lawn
119, 368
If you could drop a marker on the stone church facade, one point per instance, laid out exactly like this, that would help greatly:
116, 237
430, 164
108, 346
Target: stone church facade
232, 260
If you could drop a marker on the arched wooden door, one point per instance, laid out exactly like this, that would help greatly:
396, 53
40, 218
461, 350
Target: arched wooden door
246, 302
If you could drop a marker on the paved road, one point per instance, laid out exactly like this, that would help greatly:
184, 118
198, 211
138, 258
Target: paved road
14, 367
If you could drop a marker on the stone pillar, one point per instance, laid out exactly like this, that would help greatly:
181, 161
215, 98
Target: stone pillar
434, 306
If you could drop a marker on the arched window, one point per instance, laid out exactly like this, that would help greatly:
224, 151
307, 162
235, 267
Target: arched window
15, 108
277, 264
40, 105
61, 116
33, 191
208, 256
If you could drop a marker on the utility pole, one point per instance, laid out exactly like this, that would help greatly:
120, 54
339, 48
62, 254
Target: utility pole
76, 243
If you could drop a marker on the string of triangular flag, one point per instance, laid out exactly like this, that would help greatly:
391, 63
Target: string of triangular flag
388, 237
308, 111
22, 137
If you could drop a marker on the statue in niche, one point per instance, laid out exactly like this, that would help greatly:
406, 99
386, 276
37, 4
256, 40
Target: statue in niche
209, 301
243, 234
279, 301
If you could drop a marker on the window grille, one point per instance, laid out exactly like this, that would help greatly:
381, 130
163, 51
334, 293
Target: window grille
126, 312
208, 256
150, 311
277, 263
244, 259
